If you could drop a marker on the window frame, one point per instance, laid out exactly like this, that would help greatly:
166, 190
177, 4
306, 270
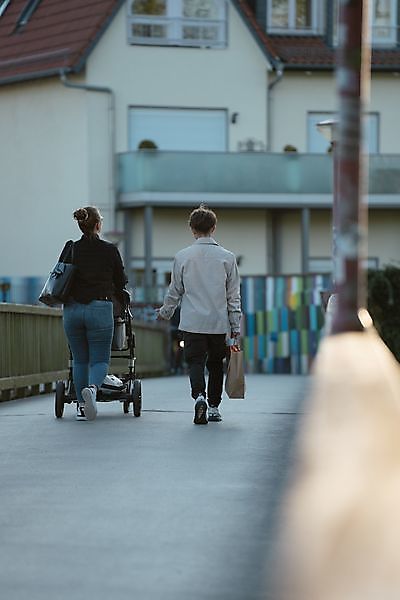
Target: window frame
174, 23
372, 123
291, 28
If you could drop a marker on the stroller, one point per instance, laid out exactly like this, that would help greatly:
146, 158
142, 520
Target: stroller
127, 389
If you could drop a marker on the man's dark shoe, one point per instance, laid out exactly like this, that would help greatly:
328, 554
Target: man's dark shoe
200, 411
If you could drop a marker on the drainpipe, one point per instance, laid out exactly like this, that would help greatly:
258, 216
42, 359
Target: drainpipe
275, 260
279, 75
110, 92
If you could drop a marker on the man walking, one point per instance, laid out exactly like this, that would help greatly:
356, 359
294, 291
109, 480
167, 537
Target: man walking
205, 282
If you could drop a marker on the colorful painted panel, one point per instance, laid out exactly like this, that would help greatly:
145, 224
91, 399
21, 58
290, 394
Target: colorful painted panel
282, 322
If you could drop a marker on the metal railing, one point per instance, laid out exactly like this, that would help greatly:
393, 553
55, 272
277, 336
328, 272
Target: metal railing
244, 173
34, 352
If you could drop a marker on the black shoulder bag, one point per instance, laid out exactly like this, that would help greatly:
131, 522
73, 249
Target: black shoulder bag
58, 285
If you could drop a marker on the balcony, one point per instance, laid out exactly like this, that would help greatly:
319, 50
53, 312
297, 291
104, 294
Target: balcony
245, 179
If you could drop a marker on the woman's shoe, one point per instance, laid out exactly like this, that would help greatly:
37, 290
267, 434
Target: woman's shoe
80, 413
89, 397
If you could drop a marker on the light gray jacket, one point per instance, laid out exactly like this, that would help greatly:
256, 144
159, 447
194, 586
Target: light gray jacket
205, 279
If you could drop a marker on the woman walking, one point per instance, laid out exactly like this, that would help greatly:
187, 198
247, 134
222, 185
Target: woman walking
88, 314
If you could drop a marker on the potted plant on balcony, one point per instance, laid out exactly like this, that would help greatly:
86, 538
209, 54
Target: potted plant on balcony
292, 169
147, 145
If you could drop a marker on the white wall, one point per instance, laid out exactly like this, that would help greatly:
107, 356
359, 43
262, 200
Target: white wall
171, 232
385, 99
43, 173
383, 236
300, 93
234, 78
320, 233
290, 242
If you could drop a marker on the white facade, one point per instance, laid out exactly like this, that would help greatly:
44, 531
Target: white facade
60, 140
58, 148
299, 94
43, 173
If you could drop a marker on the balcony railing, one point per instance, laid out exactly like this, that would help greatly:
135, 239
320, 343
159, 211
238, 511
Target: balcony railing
244, 174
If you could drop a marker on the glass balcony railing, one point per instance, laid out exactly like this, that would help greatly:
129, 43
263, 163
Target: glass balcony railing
244, 173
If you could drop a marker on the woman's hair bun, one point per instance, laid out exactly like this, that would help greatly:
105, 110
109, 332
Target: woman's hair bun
81, 214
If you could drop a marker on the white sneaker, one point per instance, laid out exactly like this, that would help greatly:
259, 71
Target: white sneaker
80, 413
200, 411
89, 397
214, 414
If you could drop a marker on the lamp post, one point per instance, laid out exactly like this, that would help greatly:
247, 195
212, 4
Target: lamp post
329, 129
352, 77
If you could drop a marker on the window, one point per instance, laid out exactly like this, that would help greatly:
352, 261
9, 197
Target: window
318, 144
180, 129
199, 23
294, 16
383, 21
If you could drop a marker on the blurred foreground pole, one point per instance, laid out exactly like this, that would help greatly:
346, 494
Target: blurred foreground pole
340, 520
353, 75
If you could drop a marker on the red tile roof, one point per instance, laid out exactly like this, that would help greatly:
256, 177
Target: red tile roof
59, 35
259, 33
308, 52
313, 52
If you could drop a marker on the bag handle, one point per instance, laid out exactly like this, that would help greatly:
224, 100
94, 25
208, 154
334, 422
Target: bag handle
68, 251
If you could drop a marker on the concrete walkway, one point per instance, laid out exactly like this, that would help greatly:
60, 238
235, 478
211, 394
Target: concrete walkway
149, 508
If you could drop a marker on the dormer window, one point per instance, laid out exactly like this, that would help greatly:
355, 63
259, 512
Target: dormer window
293, 16
199, 23
383, 21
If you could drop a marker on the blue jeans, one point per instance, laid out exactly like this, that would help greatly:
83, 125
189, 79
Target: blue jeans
89, 330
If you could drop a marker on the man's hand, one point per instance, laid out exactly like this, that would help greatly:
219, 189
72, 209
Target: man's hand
236, 340
158, 315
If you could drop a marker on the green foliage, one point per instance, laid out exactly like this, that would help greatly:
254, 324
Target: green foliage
384, 306
290, 148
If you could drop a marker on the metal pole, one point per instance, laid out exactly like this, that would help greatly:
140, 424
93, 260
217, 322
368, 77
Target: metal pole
305, 239
353, 63
335, 205
148, 251
113, 158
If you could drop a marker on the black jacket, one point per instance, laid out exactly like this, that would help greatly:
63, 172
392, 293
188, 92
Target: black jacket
100, 271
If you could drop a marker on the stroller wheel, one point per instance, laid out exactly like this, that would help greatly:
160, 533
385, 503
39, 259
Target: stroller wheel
137, 397
59, 399
126, 406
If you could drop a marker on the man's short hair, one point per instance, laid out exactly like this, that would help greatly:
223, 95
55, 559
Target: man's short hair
202, 219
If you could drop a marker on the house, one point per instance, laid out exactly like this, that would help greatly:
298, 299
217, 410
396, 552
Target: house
77, 93
221, 88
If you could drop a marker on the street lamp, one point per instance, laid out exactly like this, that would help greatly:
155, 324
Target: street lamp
329, 129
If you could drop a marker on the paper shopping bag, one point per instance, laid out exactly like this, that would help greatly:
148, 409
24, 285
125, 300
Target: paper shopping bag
234, 382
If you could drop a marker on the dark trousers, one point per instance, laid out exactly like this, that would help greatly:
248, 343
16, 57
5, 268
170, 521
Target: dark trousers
205, 350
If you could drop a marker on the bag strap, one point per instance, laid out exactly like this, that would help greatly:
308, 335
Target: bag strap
68, 252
